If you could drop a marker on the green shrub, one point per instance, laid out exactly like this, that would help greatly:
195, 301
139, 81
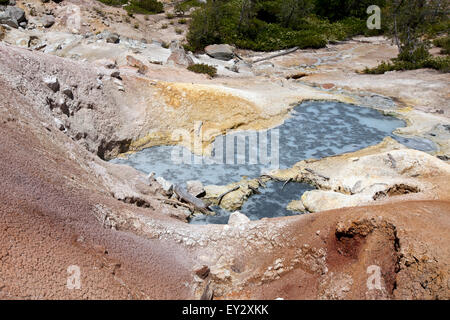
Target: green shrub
203, 68
137, 6
145, 7
179, 31
264, 27
438, 63
443, 43
114, 3
182, 21
170, 15
182, 7
4, 2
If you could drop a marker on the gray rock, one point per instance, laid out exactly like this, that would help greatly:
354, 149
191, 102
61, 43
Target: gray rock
195, 188
48, 21
7, 20
12, 2
166, 185
16, 13
23, 24
59, 124
115, 74
52, 83
220, 51
61, 104
179, 55
68, 92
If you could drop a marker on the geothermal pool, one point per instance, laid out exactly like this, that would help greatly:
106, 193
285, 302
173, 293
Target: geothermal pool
315, 129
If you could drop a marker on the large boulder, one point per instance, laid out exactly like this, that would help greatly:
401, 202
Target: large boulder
16, 13
12, 16
220, 51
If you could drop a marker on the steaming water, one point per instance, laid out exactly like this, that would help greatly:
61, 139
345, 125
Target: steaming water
314, 130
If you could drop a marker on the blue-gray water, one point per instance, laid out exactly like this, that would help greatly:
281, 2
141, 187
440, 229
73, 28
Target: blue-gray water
314, 130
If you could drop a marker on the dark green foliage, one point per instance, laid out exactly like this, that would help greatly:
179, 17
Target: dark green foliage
266, 25
114, 3
145, 6
4, 2
409, 24
137, 6
335, 10
182, 7
203, 68
443, 43
438, 63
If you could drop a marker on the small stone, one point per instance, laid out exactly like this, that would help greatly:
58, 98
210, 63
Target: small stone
167, 186
68, 92
136, 63
202, 272
52, 82
195, 188
328, 86
48, 21
237, 219
318, 232
59, 124
112, 38
278, 264
61, 104
115, 74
